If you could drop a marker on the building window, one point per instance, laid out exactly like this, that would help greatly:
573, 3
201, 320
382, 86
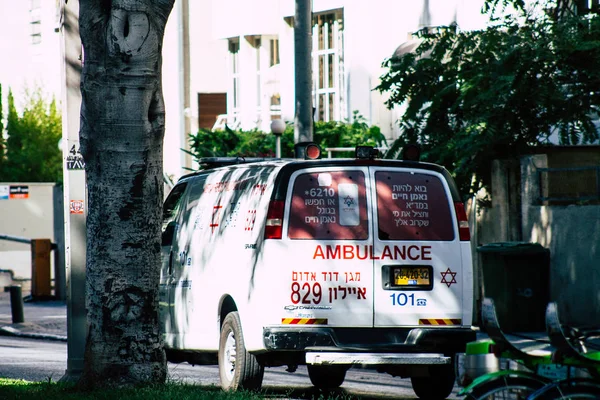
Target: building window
35, 23
328, 79
257, 47
274, 58
275, 108
234, 53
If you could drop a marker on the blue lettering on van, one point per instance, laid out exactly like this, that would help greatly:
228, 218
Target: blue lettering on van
403, 299
184, 259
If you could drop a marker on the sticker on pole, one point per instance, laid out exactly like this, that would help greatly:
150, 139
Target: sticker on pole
19, 192
76, 206
4, 192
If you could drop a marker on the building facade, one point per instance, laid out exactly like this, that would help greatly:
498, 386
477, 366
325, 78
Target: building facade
251, 58
232, 61
29, 49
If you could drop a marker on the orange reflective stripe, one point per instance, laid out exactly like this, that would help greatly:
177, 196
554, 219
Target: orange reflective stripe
304, 321
439, 321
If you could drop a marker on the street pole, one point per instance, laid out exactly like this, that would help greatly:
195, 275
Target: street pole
75, 197
277, 128
303, 120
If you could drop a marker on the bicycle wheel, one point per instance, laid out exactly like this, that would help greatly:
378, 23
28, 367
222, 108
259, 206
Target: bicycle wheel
569, 389
505, 388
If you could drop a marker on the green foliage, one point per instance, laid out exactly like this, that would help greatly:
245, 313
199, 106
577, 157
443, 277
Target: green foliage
32, 153
472, 97
2, 144
348, 134
229, 143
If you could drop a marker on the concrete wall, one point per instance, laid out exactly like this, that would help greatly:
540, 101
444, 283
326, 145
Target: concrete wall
572, 234
33, 218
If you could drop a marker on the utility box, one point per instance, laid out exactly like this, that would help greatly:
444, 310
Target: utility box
516, 275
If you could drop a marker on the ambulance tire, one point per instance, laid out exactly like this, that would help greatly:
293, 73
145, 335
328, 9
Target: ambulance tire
238, 369
437, 386
327, 377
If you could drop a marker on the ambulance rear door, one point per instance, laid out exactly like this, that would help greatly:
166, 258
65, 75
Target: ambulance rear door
418, 267
327, 244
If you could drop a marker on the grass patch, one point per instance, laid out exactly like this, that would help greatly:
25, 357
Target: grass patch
12, 389
19, 389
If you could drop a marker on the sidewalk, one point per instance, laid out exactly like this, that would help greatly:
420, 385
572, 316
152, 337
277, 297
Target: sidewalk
45, 319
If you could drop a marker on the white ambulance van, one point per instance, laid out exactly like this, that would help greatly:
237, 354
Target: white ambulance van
329, 263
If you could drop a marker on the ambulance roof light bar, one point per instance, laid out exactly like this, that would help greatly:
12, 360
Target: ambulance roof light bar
215, 162
365, 152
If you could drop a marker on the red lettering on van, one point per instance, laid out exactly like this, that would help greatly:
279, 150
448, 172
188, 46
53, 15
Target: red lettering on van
332, 255
374, 257
426, 253
349, 252
215, 217
319, 253
399, 253
387, 253
410, 253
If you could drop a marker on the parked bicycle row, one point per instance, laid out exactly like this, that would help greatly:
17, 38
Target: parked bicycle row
565, 364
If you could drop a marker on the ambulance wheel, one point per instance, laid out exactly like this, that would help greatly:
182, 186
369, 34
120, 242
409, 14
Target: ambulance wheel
238, 369
437, 386
327, 377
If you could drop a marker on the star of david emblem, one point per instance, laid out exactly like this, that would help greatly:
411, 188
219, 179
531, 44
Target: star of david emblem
348, 201
445, 276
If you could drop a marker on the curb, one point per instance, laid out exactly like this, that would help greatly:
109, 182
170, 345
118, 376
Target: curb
10, 331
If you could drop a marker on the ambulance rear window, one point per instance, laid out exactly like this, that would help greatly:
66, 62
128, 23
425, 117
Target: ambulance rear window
329, 205
412, 206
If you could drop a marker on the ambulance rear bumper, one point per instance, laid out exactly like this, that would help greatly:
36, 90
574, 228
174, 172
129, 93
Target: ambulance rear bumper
341, 358
412, 341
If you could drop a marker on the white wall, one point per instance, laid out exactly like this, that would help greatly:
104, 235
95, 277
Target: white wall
208, 56
172, 75
31, 218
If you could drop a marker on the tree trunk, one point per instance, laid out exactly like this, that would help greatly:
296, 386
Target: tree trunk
122, 129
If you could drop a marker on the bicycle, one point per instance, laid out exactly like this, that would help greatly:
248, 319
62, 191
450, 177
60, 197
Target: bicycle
524, 384
508, 383
571, 349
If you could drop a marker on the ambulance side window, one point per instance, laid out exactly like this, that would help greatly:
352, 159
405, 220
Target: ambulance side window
170, 210
412, 206
196, 190
329, 205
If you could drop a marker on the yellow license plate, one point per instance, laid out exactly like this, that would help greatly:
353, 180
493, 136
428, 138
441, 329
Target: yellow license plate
412, 276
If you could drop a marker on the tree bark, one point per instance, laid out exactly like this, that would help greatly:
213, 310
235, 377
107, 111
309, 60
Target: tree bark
121, 135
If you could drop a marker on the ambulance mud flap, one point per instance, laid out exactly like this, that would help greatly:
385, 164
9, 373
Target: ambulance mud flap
330, 358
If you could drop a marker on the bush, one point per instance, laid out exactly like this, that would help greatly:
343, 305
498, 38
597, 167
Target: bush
31, 152
254, 143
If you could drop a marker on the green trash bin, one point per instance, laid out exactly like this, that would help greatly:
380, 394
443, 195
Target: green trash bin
516, 275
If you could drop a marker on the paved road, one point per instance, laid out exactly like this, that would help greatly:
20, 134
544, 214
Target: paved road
43, 360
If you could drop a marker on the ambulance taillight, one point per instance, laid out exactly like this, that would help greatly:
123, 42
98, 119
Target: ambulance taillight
274, 224
463, 224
